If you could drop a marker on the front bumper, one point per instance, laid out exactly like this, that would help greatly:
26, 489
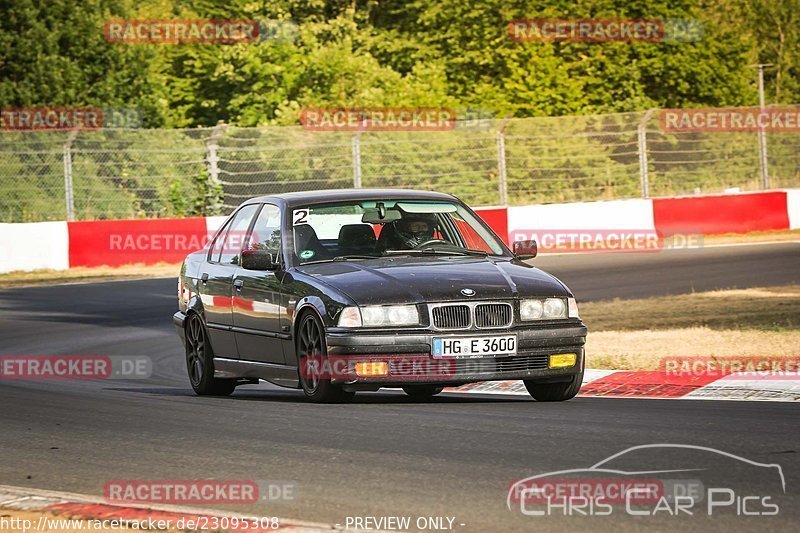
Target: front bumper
178, 320
408, 354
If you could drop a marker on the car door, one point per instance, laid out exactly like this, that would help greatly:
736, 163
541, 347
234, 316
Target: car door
257, 307
216, 281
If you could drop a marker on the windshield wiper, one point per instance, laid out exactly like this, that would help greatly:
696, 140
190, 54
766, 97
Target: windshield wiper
340, 258
470, 251
349, 257
433, 251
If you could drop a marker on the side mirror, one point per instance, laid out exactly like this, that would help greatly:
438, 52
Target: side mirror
525, 249
258, 260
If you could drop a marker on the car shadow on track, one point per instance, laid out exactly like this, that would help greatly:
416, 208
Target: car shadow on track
384, 397
295, 396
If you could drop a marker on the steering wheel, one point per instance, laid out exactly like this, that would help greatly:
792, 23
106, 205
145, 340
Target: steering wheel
432, 241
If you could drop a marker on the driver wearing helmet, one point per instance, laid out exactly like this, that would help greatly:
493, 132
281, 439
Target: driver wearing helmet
408, 232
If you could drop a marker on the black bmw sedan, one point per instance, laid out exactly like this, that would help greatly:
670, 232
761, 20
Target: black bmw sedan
342, 291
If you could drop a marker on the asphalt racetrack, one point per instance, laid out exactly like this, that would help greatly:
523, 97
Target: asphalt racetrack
383, 455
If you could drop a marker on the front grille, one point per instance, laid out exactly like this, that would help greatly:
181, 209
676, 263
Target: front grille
472, 315
451, 317
493, 315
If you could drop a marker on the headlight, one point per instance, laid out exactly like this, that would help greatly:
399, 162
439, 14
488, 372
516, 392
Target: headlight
543, 309
379, 315
555, 308
531, 309
390, 315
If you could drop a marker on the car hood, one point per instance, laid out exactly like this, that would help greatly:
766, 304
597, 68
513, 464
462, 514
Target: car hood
432, 279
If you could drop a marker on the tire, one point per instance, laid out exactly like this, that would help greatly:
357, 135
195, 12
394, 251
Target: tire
200, 361
422, 392
310, 341
554, 392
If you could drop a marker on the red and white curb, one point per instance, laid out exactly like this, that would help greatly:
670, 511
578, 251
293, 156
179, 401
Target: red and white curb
656, 384
80, 506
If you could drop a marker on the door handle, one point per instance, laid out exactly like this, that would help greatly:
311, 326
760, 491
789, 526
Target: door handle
204, 277
238, 284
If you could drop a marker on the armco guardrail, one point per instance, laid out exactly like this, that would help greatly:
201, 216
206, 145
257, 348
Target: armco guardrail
61, 245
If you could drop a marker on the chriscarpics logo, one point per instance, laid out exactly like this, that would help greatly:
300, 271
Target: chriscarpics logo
655, 480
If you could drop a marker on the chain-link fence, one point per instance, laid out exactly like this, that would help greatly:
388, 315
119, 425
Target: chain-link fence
111, 174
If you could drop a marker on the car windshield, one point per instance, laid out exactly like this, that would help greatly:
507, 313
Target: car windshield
370, 229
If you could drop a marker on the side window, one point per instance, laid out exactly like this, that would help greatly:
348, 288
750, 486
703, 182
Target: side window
216, 246
234, 238
469, 234
266, 233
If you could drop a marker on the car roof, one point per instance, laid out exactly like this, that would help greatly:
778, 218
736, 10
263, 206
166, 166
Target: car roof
334, 195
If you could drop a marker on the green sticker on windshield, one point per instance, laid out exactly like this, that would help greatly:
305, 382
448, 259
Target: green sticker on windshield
306, 254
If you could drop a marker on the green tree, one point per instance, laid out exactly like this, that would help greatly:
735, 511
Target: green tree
54, 54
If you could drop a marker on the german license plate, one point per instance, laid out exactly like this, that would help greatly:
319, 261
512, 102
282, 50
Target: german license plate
474, 346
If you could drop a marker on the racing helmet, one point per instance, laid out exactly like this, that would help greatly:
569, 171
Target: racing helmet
415, 229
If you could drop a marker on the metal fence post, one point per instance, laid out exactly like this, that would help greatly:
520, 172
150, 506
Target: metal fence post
641, 134
68, 187
762, 135
357, 161
762, 158
212, 162
212, 159
501, 168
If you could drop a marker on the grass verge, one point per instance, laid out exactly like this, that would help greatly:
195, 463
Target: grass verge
636, 334
756, 236
83, 274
